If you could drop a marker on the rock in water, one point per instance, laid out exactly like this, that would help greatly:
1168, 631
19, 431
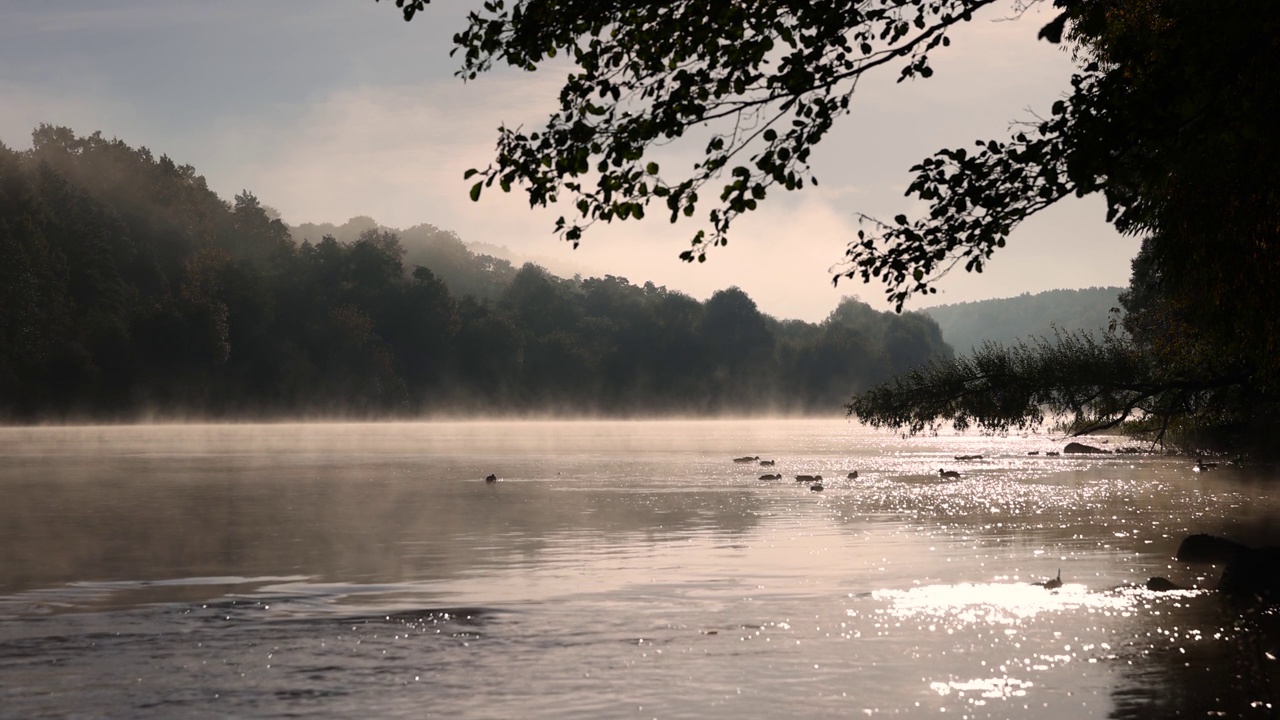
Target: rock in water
1076, 448
1253, 574
1202, 548
1159, 584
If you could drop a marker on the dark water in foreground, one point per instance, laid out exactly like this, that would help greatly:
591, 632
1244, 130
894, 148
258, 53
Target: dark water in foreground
625, 569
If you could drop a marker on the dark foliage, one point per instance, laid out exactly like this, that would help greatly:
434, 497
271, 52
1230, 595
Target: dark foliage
1165, 120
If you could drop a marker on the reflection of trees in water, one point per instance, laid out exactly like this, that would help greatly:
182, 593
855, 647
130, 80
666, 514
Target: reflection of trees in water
1229, 671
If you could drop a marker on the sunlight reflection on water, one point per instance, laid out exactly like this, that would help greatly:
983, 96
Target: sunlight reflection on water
998, 603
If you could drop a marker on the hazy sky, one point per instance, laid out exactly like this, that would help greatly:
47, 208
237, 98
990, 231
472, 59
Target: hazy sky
327, 109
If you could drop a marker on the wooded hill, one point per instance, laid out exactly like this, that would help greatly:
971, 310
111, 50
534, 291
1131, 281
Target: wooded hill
131, 289
968, 325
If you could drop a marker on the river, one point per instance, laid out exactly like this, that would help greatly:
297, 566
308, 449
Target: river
615, 569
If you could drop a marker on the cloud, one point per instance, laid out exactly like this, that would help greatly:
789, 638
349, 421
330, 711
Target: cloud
26, 106
397, 153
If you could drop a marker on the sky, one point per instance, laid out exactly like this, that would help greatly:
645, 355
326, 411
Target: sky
329, 109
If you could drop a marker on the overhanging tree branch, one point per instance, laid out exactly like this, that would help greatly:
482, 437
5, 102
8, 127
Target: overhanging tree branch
1094, 384
645, 74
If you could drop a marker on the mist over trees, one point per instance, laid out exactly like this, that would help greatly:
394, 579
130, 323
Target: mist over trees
131, 289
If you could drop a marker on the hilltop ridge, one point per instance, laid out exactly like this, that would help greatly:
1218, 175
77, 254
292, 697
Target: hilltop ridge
1005, 320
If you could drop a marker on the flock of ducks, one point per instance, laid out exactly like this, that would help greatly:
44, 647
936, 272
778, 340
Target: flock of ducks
815, 485
815, 481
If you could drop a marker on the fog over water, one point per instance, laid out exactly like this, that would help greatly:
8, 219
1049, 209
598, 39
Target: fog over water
615, 568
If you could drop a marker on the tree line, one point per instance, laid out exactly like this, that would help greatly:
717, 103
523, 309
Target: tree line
130, 288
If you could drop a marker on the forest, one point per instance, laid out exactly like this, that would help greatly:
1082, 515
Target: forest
131, 290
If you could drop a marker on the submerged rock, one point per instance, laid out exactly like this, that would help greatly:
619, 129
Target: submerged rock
1202, 548
1076, 448
1159, 584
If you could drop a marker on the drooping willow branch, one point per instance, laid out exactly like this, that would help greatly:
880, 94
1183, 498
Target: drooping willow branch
1092, 384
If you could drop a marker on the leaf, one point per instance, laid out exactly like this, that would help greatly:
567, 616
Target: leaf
475, 192
1052, 32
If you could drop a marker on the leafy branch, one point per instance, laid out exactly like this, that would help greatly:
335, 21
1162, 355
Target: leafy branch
766, 78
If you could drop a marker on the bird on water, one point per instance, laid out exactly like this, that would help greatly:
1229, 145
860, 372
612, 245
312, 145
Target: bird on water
1053, 584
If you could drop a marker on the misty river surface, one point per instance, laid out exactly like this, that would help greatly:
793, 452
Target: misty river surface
616, 569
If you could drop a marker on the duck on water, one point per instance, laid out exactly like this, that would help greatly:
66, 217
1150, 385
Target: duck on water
1052, 584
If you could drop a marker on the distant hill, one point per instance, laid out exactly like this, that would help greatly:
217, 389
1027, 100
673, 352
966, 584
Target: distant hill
1005, 320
